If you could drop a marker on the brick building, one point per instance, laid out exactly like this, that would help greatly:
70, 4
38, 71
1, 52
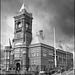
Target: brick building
7, 53
64, 59
41, 55
29, 52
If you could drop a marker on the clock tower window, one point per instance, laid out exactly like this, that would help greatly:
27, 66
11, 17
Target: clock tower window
19, 25
27, 25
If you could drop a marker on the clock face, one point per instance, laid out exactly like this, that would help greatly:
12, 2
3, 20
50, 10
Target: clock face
19, 24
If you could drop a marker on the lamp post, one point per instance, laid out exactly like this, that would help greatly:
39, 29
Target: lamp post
66, 59
55, 48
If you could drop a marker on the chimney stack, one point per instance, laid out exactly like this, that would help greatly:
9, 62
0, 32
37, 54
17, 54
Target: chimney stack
41, 34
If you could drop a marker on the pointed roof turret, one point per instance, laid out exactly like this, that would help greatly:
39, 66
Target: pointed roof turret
22, 11
23, 7
10, 43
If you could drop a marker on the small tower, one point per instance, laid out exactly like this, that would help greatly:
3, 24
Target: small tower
22, 37
23, 27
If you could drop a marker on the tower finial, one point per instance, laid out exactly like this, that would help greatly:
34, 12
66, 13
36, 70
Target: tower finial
23, 7
10, 43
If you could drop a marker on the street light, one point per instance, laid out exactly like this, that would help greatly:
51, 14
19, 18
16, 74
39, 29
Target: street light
55, 47
66, 59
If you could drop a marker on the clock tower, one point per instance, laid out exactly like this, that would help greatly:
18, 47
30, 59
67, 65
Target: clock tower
22, 37
23, 27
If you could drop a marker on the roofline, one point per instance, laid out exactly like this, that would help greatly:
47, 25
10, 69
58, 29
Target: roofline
44, 45
41, 44
64, 51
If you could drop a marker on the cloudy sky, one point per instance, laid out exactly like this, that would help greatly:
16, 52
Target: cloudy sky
47, 14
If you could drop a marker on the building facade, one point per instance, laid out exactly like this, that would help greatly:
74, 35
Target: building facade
42, 56
32, 53
64, 59
22, 37
7, 53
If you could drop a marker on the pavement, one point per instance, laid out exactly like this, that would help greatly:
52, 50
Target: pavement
70, 73
2, 72
65, 73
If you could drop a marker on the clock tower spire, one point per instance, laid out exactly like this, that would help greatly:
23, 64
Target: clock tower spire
23, 7
23, 27
22, 36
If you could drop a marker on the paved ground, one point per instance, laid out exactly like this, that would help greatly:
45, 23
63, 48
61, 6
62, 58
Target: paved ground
66, 73
2, 72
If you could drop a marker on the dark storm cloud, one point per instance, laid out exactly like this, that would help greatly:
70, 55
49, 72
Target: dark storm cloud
63, 11
47, 13
10, 6
64, 15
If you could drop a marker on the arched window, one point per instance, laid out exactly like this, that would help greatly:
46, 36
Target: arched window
19, 24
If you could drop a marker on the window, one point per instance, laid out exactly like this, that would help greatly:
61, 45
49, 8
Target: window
29, 27
44, 52
60, 55
23, 52
20, 54
12, 53
37, 54
33, 54
8, 63
50, 52
19, 24
64, 56
24, 62
33, 62
50, 60
26, 25
15, 26
11, 62
19, 35
7, 55
17, 55
17, 52
29, 54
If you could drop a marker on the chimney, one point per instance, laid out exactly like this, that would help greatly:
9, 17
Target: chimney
41, 34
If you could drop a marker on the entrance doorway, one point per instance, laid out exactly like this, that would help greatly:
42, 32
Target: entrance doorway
17, 66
